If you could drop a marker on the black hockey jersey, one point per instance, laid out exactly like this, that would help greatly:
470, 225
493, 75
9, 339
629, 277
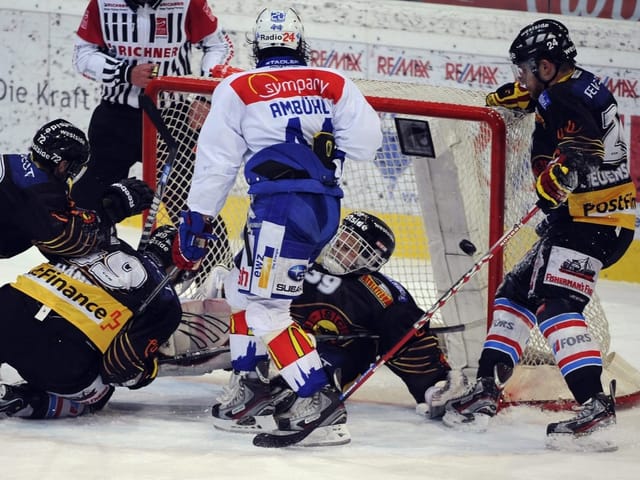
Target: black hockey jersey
100, 293
578, 118
372, 304
36, 210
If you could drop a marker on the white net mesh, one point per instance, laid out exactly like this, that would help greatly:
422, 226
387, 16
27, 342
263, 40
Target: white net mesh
389, 187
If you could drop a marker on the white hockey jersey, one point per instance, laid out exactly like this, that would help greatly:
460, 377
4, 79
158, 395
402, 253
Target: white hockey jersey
268, 117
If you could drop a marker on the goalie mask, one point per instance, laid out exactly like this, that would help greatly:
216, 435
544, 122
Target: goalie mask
57, 141
278, 32
362, 244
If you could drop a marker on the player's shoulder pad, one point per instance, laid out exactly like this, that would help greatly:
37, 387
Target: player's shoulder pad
24, 173
399, 292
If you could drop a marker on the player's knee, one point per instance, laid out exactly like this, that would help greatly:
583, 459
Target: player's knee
268, 317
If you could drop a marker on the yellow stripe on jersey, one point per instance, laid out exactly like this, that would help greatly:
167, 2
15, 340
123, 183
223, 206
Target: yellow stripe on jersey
290, 345
614, 206
91, 309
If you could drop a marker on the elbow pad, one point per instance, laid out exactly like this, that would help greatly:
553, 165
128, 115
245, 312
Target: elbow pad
81, 234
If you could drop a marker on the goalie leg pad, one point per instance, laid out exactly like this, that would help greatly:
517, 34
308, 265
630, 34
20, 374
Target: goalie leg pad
200, 344
204, 324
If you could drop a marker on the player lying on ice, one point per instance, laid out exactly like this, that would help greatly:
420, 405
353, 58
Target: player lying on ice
73, 328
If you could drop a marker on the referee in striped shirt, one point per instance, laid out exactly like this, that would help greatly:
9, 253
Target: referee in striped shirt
123, 44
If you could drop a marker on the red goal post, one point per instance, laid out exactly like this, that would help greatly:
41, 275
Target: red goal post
477, 185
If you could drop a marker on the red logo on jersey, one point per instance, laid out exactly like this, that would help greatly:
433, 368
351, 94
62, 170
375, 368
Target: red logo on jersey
289, 83
161, 27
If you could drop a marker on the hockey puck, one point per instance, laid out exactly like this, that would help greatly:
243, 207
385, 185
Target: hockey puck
467, 246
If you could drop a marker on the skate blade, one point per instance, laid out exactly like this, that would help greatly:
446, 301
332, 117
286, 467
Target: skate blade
262, 423
595, 442
475, 423
329, 435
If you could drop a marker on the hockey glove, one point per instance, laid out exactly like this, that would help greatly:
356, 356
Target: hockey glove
125, 198
511, 95
159, 246
555, 183
325, 148
145, 377
190, 245
135, 376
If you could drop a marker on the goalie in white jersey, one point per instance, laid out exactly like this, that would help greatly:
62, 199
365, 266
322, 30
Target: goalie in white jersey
292, 126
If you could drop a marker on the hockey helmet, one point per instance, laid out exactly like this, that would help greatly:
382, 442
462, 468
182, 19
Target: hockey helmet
278, 28
546, 38
60, 140
362, 244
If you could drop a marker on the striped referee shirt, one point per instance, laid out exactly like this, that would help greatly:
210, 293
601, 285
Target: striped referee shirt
116, 35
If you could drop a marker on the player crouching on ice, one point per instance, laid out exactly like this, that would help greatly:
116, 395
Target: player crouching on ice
346, 297
72, 328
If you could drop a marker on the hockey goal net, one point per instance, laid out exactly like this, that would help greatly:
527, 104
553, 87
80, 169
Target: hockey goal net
477, 183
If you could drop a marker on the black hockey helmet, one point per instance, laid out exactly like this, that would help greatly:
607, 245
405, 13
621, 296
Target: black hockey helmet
279, 32
546, 38
60, 140
362, 244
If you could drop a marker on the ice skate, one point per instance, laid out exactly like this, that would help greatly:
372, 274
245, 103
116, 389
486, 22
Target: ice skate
323, 414
472, 411
436, 397
246, 404
586, 431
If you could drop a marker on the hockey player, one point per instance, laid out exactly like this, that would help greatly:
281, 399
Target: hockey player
292, 125
123, 44
37, 209
72, 328
345, 296
579, 161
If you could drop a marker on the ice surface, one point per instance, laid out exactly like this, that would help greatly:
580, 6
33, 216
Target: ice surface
164, 432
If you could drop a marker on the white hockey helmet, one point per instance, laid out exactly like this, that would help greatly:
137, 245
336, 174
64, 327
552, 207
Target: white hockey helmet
280, 28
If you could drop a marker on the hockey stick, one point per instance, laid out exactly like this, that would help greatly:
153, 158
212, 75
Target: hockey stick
173, 271
435, 330
275, 440
154, 115
198, 355
211, 351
